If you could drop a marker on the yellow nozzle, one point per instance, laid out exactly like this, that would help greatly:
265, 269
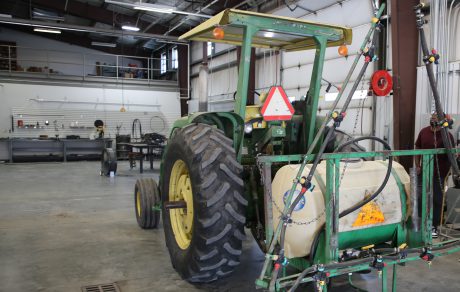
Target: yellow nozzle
367, 247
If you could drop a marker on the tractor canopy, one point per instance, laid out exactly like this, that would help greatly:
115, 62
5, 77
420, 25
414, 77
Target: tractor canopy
273, 32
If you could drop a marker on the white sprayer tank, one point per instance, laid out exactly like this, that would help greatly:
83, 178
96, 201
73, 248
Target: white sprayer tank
360, 179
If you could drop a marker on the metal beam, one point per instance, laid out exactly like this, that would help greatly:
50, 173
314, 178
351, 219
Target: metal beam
80, 28
252, 73
404, 52
183, 78
77, 40
94, 13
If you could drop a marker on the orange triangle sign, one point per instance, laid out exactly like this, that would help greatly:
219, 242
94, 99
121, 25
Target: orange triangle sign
277, 106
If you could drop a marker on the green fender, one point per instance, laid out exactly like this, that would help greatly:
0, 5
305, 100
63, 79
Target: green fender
231, 123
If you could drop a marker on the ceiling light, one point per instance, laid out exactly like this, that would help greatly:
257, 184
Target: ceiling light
57, 31
6, 15
49, 17
130, 27
269, 34
154, 7
145, 8
100, 44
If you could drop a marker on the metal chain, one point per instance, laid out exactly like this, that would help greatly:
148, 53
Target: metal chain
278, 208
360, 103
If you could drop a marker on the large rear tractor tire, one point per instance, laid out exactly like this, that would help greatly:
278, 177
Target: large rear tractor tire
201, 172
146, 198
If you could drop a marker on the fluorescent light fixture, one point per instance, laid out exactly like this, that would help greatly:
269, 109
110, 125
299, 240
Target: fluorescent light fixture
47, 30
359, 94
269, 34
6, 15
130, 27
49, 17
154, 7
100, 44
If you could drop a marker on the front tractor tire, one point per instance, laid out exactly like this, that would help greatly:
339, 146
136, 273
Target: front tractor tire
201, 171
146, 199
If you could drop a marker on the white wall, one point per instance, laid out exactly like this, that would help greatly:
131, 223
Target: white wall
104, 99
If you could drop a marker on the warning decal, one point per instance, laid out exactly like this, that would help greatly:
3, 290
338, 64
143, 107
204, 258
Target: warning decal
369, 214
277, 106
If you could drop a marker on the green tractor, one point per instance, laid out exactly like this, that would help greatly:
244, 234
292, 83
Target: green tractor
224, 171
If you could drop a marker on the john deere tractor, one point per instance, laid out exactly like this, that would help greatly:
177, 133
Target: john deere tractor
321, 207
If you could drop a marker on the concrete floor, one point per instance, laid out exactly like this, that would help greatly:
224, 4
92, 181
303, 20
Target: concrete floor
62, 226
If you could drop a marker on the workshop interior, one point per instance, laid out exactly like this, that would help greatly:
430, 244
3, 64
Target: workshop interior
223, 145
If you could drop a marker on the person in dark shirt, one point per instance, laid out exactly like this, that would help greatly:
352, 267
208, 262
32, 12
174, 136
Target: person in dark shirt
430, 138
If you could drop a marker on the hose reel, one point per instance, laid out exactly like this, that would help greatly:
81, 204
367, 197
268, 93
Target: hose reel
382, 83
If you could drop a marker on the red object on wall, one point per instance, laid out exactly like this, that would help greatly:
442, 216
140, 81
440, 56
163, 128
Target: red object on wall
20, 123
382, 83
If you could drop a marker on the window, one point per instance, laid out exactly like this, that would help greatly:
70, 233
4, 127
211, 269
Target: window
174, 59
163, 65
211, 48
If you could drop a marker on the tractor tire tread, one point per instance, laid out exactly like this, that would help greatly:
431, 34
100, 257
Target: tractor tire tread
148, 191
219, 203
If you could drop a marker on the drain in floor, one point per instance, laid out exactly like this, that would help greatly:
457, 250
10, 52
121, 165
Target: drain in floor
111, 287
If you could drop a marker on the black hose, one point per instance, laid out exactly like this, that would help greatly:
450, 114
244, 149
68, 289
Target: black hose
437, 100
315, 242
349, 264
300, 277
310, 270
385, 180
447, 245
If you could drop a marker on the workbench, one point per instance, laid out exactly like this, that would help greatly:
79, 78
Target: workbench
152, 152
26, 149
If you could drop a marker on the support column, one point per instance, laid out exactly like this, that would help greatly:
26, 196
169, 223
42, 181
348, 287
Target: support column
203, 81
252, 74
243, 71
309, 122
183, 78
404, 55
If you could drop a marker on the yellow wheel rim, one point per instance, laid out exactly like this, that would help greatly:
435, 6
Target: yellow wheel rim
180, 189
138, 203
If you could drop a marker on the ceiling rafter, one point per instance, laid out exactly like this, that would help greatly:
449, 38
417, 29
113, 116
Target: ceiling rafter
77, 40
95, 13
